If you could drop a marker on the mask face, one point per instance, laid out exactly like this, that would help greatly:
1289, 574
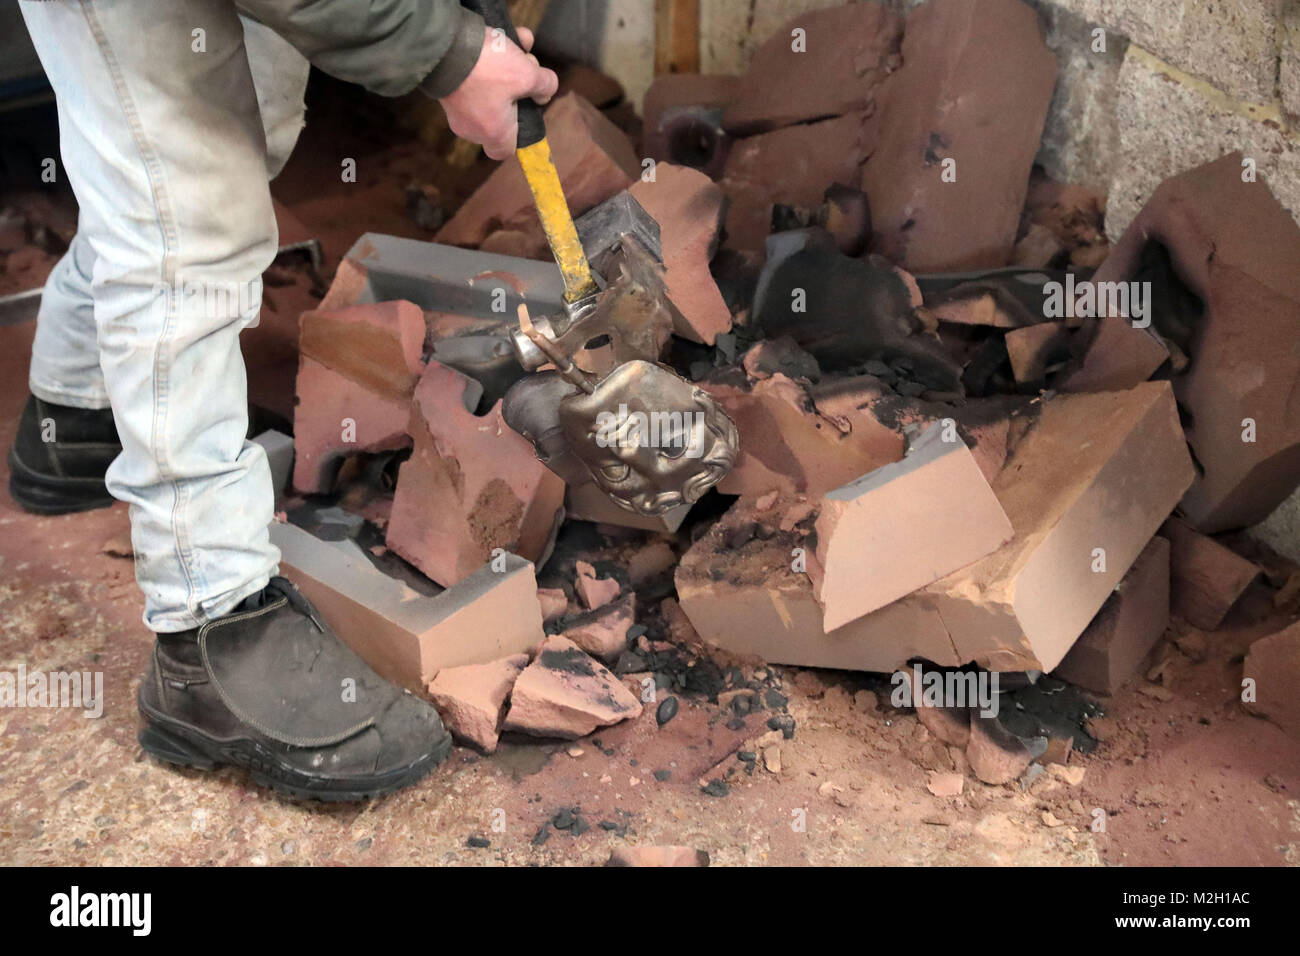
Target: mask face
651, 440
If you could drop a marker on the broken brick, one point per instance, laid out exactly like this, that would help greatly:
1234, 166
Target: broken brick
751, 602
943, 784
953, 100
593, 157
1234, 247
651, 561
1035, 348
351, 280
845, 53
471, 486
995, 754
358, 368
471, 699
902, 526
1273, 663
1207, 578
603, 632
980, 308
792, 166
688, 207
554, 603
405, 636
1085, 489
950, 723
594, 591
1118, 356
1128, 625
787, 445
863, 405
565, 692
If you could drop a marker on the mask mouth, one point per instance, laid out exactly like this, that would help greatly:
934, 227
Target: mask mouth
651, 505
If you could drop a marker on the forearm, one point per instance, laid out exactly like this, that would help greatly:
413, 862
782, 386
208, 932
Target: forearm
387, 46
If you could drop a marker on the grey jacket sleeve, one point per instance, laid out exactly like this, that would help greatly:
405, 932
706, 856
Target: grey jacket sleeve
388, 46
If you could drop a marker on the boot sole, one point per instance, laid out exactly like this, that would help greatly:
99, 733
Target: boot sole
41, 494
185, 746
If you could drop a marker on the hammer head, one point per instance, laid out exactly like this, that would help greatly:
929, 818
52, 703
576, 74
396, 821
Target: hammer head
604, 229
631, 316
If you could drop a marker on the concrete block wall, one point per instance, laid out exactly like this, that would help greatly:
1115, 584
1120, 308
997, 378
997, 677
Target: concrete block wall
1177, 84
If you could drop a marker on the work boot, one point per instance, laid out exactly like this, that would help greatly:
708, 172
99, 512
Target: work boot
270, 688
59, 457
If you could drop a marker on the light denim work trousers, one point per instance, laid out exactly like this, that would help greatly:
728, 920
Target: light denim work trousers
172, 117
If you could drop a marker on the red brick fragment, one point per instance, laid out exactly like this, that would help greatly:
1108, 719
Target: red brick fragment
565, 692
471, 699
471, 486
1235, 247
903, 526
357, 371
787, 445
603, 633
960, 128
1273, 663
995, 754
834, 66
1119, 356
1207, 577
1128, 625
688, 207
793, 166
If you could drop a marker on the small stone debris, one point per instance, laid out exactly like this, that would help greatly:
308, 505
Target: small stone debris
717, 788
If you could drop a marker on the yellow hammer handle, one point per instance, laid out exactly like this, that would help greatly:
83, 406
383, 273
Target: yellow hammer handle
557, 221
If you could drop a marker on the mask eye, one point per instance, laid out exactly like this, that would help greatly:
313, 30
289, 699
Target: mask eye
615, 472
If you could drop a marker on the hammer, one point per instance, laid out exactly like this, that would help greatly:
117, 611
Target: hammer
608, 412
534, 154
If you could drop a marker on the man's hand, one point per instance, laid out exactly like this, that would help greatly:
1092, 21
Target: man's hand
482, 109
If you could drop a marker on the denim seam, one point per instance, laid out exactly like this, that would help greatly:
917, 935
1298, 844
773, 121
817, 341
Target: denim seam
161, 363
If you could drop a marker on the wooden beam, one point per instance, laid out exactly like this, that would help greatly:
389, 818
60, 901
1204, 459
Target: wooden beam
527, 13
677, 36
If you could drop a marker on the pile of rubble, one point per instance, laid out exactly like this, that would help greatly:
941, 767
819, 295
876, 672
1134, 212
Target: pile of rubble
972, 433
